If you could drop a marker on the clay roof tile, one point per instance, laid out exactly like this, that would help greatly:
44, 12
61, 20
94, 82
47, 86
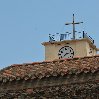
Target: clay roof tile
50, 68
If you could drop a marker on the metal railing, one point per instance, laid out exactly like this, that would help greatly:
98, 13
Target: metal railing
88, 37
62, 37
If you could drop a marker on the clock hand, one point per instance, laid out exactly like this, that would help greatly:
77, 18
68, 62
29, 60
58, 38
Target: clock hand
66, 54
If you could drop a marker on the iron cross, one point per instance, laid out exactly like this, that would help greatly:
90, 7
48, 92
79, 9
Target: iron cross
73, 23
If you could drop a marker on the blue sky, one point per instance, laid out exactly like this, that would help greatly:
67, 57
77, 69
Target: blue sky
25, 24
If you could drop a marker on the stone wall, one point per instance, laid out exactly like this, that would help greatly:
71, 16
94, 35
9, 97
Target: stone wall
82, 86
88, 90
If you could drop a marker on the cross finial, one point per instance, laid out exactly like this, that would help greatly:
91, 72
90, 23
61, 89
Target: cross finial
73, 23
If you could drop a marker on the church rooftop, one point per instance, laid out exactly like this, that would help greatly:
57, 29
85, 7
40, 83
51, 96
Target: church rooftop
39, 70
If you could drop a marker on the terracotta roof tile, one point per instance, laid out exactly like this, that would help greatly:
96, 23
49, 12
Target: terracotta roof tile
50, 68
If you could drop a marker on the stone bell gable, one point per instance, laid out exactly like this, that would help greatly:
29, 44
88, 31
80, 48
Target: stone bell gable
76, 78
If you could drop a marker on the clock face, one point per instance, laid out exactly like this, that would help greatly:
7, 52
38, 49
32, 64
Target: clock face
66, 52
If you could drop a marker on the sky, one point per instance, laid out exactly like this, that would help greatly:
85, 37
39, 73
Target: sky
25, 24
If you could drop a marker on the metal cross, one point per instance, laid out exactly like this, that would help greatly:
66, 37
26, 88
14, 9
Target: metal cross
73, 23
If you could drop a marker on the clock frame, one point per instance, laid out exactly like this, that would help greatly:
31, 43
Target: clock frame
66, 52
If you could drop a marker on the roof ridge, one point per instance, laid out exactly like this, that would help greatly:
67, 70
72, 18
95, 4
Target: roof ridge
43, 62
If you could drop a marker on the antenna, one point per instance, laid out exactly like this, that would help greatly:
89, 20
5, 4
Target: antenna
73, 23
